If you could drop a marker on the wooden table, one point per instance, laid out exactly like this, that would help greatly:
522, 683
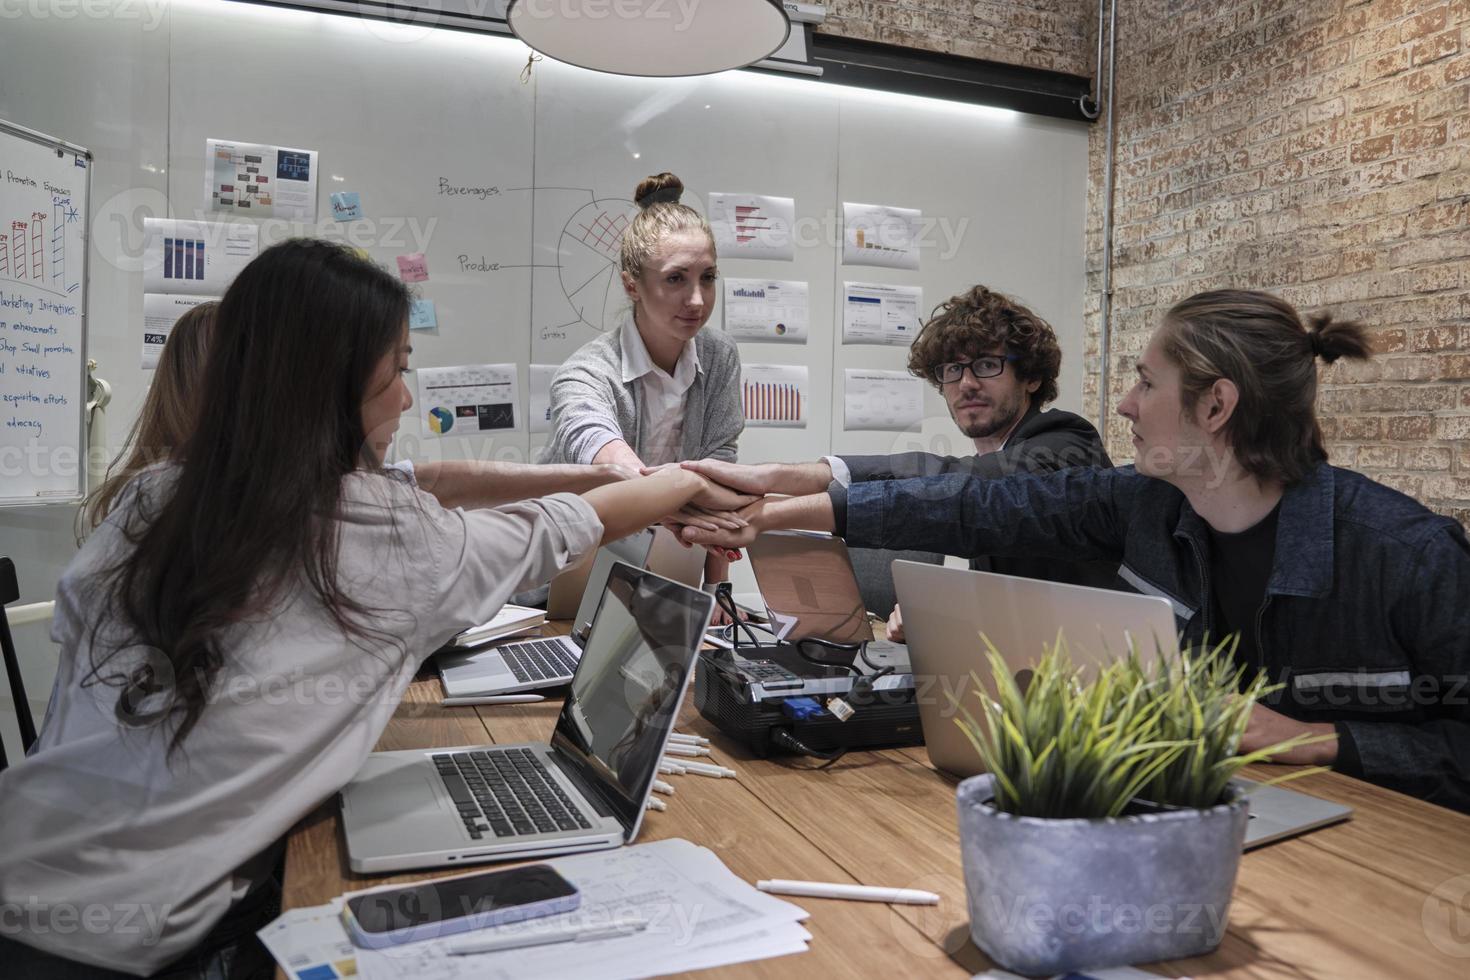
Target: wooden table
1355, 900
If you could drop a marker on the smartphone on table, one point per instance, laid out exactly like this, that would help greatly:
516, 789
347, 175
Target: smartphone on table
445, 906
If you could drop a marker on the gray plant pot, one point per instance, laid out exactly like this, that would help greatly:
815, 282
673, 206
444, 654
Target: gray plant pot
1053, 896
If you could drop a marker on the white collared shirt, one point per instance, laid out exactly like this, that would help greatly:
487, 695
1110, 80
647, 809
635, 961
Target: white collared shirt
661, 396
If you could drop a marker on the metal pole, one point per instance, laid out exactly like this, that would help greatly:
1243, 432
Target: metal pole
1104, 342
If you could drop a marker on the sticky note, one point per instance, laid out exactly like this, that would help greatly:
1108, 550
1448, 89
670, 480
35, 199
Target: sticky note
421, 315
413, 267
346, 206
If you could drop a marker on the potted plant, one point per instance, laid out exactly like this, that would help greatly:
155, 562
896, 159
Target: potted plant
1106, 830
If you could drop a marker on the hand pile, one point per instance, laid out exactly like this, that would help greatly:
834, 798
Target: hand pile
719, 518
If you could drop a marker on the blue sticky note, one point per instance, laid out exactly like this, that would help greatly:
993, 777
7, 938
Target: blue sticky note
322, 971
346, 206
421, 315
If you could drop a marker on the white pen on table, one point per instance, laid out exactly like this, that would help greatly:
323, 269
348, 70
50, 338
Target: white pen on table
545, 937
656, 804
704, 769
682, 749
492, 699
688, 739
671, 768
861, 893
659, 786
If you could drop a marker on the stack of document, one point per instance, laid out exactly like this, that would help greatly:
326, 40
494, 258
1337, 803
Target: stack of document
507, 622
699, 915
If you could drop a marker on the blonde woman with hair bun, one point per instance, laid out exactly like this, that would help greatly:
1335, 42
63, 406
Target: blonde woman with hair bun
660, 388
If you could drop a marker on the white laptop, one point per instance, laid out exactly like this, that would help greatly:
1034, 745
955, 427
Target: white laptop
585, 790
526, 665
946, 609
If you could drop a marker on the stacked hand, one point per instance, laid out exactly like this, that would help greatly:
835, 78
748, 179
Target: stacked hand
715, 510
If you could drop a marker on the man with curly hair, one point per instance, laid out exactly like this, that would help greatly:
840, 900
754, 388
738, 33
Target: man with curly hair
995, 363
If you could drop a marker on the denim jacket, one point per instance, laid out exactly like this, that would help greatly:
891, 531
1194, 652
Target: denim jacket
1366, 617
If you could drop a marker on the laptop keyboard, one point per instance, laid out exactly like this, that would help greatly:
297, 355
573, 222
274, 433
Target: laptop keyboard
507, 792
539, 660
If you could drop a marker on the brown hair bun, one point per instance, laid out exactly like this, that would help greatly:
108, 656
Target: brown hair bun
662, 188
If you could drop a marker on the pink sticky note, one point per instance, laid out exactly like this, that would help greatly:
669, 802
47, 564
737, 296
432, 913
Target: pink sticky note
413, 267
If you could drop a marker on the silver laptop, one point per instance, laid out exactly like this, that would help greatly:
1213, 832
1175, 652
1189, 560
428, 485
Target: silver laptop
526, 665
946, 609
585, 790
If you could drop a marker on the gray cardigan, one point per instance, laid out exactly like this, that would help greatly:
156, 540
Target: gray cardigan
589, 397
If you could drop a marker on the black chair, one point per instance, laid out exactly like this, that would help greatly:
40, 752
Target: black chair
10, 592
874, 569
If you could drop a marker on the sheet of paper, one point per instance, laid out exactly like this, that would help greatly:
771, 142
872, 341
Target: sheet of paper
873, 234
752, 226
421, 315
539, 414
467, 399
260, 181
766, 310
699, 915
311, 943
346, 205
197, 257
774, 395
160, 312
413, 267
890, 401
874, 313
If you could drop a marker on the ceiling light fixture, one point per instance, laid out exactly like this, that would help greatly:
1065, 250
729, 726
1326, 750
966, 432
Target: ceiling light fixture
652, 38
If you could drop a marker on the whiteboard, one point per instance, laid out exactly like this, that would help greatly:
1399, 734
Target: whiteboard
498, 181
43, 336
390, 110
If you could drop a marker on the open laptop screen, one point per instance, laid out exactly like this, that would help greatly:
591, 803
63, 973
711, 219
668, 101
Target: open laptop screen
629, 684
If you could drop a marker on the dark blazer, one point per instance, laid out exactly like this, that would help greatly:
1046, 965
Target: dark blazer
1044, 442
1365, 619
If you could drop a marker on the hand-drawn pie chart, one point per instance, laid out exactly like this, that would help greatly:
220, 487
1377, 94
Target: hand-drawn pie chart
588, 261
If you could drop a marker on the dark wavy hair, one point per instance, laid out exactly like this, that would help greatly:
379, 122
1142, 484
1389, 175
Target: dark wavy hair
980, 320
1261, 344
252, 513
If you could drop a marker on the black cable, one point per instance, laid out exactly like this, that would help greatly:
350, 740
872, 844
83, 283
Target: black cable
725, 599
784, 739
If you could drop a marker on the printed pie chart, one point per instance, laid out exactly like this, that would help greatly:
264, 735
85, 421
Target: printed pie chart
441, 420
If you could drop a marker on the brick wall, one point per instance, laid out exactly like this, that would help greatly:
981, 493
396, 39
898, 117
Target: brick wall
1319, 149
1050, 34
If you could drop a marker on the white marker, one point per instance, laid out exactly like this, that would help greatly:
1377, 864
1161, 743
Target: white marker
704, 769
670, 768
493, 699
656, 804
688, 739
545, 937
680, 749
861, 893
659, 786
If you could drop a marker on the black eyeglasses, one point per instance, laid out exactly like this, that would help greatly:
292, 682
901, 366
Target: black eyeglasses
988, 366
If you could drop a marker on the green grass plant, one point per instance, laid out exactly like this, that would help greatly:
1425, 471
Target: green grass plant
1067, 747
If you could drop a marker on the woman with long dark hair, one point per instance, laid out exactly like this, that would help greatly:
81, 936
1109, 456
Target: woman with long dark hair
236, 635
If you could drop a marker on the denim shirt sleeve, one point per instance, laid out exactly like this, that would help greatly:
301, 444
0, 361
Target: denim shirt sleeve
1430, 760
1077, 514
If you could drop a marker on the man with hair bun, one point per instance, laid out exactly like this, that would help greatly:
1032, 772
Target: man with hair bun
1349, 594
660, 388
995, 363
